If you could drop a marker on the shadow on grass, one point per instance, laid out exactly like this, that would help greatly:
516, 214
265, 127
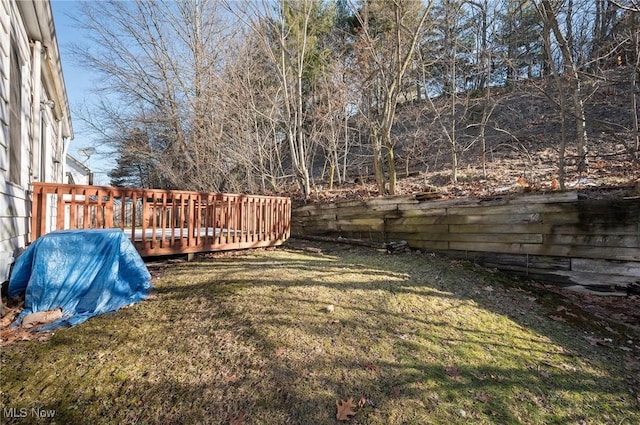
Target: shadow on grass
202, 351
173, 402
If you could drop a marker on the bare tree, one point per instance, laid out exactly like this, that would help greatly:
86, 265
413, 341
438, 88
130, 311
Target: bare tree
331, 119
454, 46
289, 37
562, 103
250, 99
631, 43
634, 28
388, 62
549, 14
159, 62
483, 81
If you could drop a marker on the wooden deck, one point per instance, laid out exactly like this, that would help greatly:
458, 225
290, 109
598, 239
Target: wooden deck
162, 222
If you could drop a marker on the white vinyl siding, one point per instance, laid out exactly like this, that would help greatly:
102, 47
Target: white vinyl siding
5, 30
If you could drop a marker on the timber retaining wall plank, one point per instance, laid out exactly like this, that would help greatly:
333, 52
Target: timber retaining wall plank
625, 268
564, 235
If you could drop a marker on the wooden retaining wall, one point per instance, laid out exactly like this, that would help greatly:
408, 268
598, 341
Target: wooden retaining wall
569, 238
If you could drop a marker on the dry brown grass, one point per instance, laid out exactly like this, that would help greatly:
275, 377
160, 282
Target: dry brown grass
247, 339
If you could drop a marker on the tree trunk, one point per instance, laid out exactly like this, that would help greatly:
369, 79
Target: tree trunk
635, 76
391, 165
378, 169
454, 142
346, 147
390, 87
546, 38
571, 71
483, 127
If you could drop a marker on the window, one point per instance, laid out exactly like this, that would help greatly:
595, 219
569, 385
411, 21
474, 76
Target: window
15, 116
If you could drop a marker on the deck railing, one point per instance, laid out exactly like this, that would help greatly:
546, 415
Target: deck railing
161, 222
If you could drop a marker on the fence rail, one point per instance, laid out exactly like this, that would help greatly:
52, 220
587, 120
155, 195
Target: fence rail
161, 222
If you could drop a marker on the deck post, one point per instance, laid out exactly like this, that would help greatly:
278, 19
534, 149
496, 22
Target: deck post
59, 209
37, 207
190, 218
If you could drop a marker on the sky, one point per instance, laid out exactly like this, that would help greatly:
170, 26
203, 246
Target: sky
78, 82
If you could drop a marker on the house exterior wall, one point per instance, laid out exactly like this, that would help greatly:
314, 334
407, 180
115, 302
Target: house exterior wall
14, 201
26, 31
76, 172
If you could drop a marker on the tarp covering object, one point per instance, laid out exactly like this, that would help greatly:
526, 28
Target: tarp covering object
83, 272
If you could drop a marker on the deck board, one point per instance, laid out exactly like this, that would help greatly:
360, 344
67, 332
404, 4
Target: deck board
176, 232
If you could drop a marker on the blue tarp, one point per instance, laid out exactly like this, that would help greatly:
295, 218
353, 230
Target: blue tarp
83, 272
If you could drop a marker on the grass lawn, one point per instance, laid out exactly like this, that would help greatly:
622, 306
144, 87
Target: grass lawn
248, 338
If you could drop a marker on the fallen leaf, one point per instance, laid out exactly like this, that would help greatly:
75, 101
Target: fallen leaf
605, 342
229, 379
371, 367
13, 335
345, 409
362, 402
42, 337
631, 362
395, 391
592, 341
453, 373
554, 184
9, 317
483, 397
558, 318
279, 352
237, 420
41, 317
522, 181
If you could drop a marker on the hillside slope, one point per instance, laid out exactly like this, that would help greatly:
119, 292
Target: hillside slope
522, 136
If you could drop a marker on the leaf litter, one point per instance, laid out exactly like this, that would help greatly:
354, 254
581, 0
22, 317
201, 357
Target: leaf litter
345, 409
